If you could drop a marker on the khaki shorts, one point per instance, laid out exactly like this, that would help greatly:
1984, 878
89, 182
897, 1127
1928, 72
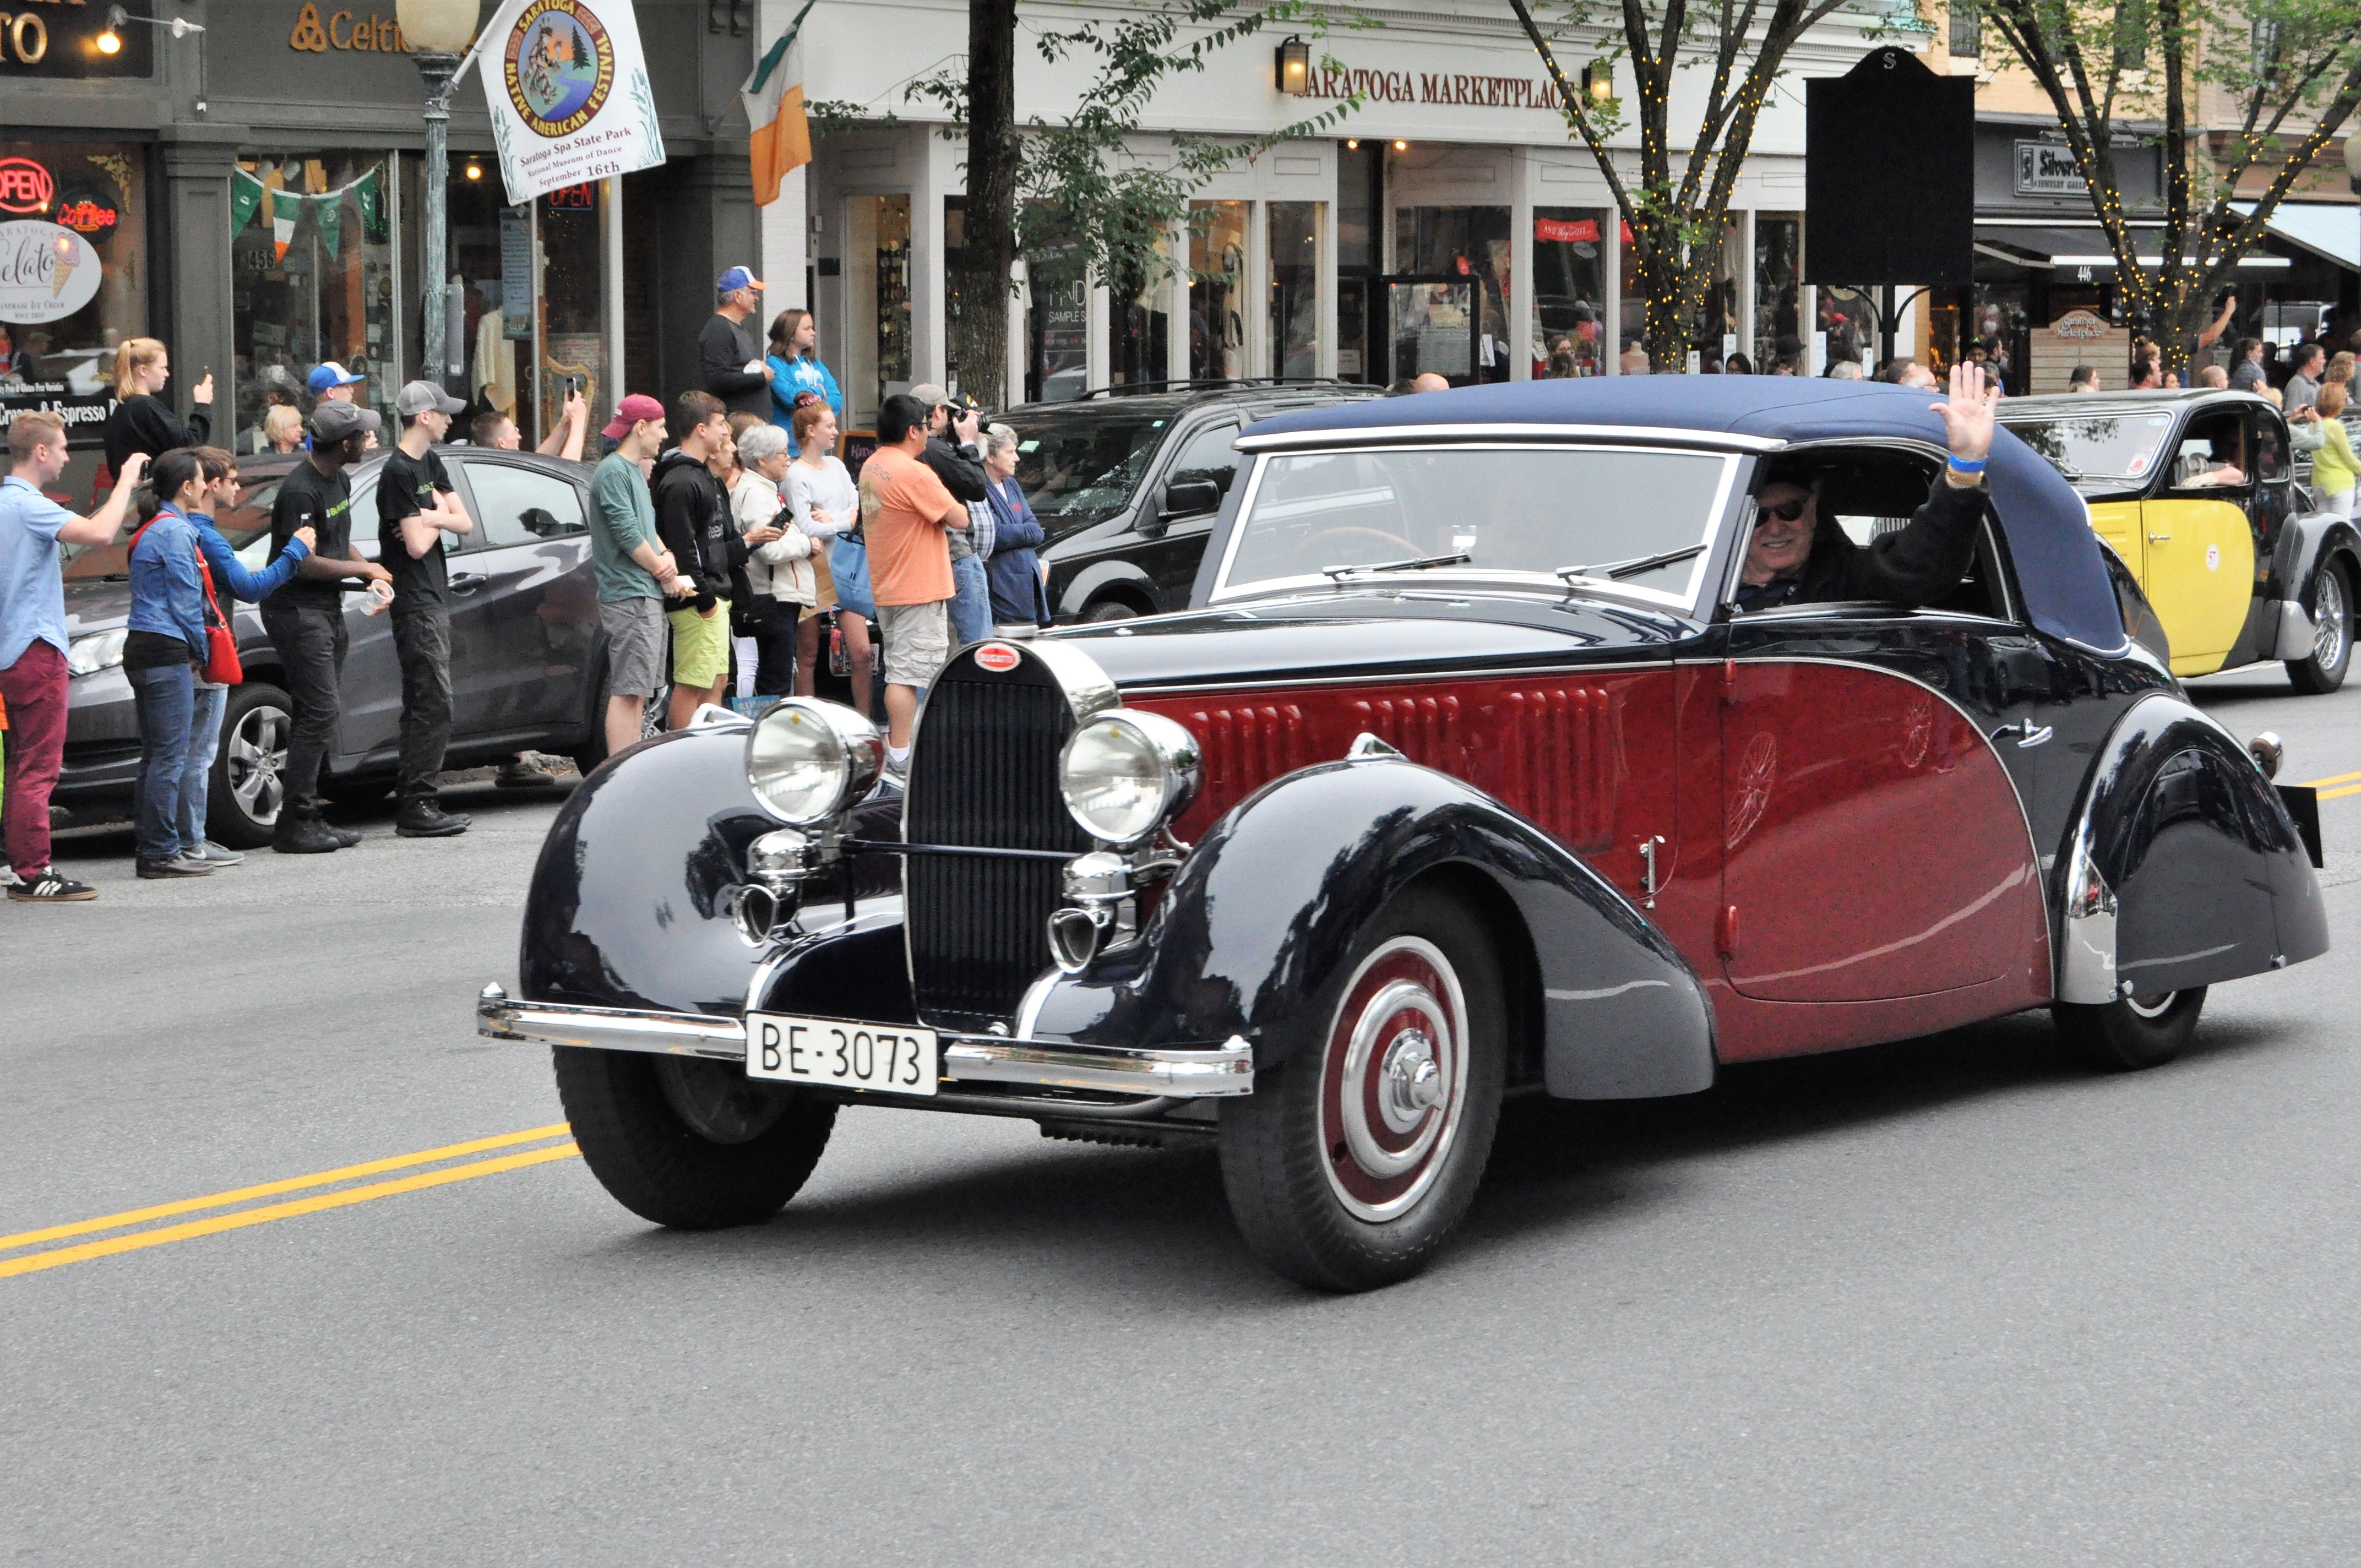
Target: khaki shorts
635, 646
917, 641
700, 646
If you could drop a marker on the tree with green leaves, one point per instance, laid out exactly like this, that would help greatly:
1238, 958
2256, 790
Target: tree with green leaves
1069, 195
1675, 202
2290, 71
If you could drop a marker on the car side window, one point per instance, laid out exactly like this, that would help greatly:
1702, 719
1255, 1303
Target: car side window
521, 506
2212, 453
2269, 448
1210, 455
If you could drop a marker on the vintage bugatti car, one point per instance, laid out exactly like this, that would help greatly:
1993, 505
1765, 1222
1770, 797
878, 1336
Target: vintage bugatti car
1463, 778
2195, 492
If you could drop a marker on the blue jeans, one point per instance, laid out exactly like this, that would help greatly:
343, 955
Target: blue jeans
970, 606
166, 700
205, 740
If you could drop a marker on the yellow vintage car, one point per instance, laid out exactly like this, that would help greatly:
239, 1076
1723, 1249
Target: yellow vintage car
2195, 492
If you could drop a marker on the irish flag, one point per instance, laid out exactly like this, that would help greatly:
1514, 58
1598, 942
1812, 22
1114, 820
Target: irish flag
775, 108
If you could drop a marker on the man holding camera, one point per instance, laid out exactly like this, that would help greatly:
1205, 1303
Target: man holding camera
952, 427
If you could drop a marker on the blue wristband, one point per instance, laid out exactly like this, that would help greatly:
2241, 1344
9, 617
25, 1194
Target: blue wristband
1965, 466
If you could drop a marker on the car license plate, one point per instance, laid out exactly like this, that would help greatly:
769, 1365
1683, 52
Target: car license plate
885, 1058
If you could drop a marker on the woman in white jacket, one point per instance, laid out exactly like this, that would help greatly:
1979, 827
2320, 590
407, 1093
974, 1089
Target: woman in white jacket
778, 573
827, 508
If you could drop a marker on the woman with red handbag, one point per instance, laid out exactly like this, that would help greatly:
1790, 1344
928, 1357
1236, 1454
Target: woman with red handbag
177, 634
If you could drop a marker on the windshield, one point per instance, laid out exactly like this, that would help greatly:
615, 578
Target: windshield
2113, 446
1409, 513
248, 528
1078, 469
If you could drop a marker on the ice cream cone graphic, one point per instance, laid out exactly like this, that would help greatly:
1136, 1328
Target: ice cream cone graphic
67, 257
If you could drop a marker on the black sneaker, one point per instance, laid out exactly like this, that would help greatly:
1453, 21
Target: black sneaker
425, 820
345, 838
305, 836
178, 866
48, 887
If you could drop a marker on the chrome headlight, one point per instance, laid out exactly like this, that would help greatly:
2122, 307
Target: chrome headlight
807, 760
1124, 774
99, 651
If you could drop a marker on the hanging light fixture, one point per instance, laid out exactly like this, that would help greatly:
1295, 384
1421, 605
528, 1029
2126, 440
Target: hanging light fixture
1294, 64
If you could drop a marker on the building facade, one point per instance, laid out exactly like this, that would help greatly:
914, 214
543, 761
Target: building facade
253, 194
1448, 223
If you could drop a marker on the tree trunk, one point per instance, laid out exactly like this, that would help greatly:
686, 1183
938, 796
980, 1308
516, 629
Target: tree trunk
979, 348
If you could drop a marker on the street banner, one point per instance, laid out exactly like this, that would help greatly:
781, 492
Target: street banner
781, 138
567, 87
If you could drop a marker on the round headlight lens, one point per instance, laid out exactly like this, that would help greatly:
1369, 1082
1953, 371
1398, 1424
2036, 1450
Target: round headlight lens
1125, 774
806, 760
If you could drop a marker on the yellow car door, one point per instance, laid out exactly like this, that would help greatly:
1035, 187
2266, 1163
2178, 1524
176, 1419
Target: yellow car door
2118, 523
2196, 563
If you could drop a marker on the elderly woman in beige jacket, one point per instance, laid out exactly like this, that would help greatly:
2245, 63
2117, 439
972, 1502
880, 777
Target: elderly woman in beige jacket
780, 573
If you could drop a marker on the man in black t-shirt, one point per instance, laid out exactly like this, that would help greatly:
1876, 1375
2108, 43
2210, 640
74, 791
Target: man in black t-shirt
306, 617
415, 508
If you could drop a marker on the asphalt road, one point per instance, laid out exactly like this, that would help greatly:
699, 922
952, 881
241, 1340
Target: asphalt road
1952, 1301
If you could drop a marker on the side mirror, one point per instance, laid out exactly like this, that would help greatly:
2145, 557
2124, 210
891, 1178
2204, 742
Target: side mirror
1187, 498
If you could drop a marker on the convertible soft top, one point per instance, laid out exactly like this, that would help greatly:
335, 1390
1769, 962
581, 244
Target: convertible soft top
2067, 591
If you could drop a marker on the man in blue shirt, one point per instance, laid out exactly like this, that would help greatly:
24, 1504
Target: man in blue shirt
33, 646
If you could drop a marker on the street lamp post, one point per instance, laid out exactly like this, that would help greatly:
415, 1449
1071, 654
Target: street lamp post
438, 33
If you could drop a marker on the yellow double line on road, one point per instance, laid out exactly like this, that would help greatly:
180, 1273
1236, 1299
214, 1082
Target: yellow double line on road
237, 1218
2352, 782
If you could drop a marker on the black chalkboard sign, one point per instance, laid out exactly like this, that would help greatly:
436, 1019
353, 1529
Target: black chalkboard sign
1889, 175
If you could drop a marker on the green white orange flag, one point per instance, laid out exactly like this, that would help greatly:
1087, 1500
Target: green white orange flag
775, 108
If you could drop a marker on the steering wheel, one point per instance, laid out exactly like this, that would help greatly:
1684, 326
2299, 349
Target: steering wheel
1319, 552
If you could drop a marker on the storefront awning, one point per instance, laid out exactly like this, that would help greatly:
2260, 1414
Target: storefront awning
2332, 233
2067, 249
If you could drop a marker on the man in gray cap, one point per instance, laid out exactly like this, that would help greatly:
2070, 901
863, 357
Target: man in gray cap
416, 507
306, 617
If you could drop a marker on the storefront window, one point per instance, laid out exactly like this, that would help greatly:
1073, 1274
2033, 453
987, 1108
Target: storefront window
1294, 235
311, 266
1360, 295
2000, 335
1448, 297
488, 309
877, 268
1715, 332
573, 225
1779, 293
1057, 330
1850, 318
1140, 335
1217, 290
1569, 292
73, 284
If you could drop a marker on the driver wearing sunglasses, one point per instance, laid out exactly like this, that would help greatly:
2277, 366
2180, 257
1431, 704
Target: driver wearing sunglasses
1792, 560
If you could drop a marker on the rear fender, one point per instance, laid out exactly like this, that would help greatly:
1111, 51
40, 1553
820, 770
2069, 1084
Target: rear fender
1262, 916
2183, 868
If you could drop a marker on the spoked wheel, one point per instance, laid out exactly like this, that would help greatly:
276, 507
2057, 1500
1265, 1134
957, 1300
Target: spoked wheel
2331, 637
2134, 1032
1349, 1165
249, 775
691, 1143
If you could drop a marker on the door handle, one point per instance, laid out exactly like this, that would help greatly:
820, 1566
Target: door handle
467, 582
2159, 538
2027, 733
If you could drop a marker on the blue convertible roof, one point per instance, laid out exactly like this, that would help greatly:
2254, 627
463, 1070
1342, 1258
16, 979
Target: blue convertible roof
2067, 592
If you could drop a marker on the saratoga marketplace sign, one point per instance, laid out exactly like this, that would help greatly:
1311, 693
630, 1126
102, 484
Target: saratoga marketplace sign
1436, 87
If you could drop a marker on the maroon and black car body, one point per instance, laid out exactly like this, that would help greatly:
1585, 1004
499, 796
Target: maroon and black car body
1463, 776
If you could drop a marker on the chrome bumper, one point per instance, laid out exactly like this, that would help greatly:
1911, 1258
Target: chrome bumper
967, 1059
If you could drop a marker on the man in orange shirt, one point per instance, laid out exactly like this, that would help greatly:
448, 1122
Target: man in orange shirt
904, 511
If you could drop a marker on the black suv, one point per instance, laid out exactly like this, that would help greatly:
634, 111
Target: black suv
1127, 483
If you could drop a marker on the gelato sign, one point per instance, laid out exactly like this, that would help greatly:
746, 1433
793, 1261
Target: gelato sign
47, 272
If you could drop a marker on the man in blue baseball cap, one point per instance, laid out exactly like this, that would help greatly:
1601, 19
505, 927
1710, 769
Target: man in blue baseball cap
727, 352
331, 382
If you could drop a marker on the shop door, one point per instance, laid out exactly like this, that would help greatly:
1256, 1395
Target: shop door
1433, 325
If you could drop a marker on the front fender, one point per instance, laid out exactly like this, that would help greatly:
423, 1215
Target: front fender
1261, 917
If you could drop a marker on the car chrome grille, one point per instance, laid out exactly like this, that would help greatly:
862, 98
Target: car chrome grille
984, 773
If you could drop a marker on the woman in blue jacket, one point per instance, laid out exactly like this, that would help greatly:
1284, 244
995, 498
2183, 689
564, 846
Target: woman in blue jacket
164, 654
794, 366
1019, 594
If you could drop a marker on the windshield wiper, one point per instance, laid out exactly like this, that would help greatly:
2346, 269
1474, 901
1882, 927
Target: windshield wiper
1615, 571
1415, 563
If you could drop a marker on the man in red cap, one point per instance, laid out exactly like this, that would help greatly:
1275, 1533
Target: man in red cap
634, 571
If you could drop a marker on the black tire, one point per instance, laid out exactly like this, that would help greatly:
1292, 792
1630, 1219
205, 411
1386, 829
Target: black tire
247, 785
2330, 605
2134, 1033
1110, 609
687, 1143
1295, 1153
